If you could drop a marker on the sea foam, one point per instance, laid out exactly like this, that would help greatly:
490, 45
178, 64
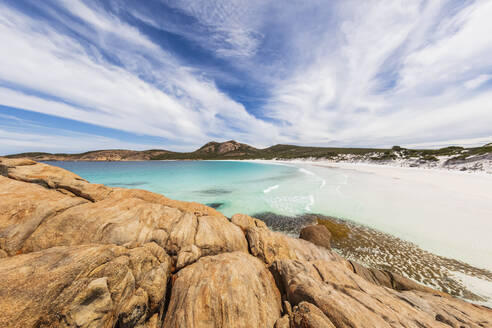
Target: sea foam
267, 190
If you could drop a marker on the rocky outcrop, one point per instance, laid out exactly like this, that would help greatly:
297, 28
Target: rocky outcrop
389, 279
348, 300
227, 148
76, 254
84, 286
307, 315
226, 290
270, 246
59, 208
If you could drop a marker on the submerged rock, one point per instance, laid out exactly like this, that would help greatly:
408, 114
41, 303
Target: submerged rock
215, 205
75, 254
317, 234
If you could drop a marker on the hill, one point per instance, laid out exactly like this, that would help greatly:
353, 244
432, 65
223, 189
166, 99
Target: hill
96, 155
453, 157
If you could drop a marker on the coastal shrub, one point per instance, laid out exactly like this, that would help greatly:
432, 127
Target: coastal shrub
397, 148
428, 158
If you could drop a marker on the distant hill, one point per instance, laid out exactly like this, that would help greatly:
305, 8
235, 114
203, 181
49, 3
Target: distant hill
234, 150
96, 155
228, 148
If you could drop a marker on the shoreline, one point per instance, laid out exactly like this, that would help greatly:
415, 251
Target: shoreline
348, 165
323, 161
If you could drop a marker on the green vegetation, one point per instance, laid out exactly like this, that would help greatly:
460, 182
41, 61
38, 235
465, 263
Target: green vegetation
235, 150
277, 152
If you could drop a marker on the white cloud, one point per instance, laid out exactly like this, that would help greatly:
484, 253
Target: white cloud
183, 107
14, 142
477, 81
395, 74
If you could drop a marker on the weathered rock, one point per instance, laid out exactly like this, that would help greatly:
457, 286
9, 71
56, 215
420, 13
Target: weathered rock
283, 322
389, 279
348, 300
317, 234
82, 286
54, 178
23, 207
188, 255
226, 290
270, 246
245, 221
307, 315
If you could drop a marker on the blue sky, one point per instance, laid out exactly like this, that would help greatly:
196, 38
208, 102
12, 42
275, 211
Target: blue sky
82, 75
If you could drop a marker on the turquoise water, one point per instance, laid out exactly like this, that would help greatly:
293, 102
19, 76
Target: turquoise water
232, 187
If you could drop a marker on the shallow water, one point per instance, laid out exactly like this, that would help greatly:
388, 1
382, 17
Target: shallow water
451, 222
232, 187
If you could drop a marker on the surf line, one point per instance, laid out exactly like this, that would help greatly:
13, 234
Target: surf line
306, 171
267, 190
323, 181
311, 203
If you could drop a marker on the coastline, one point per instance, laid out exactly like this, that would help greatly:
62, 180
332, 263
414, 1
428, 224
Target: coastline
374, 165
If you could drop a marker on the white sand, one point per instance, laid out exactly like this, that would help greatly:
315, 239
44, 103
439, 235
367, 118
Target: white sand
474, 184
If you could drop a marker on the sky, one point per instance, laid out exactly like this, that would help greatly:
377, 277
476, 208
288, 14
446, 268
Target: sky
83, 75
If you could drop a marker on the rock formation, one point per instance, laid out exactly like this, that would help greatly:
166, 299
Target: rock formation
228, 148
76, 254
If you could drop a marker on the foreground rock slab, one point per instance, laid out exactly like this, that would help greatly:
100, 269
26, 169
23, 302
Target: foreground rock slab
348, 300
226, 290
84, 286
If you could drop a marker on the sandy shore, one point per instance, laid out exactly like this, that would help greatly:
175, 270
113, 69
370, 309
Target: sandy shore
476, 184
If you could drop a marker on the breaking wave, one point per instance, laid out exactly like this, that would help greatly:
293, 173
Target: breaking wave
267, 190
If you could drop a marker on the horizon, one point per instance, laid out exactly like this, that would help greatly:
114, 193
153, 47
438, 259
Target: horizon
95, 75
213, 141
